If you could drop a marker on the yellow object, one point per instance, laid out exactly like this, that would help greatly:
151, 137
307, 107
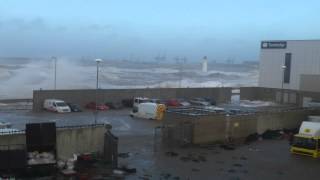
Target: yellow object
314, 152
160, 111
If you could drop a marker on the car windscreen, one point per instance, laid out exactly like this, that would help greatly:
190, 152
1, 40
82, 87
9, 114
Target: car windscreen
61, 104
302, 142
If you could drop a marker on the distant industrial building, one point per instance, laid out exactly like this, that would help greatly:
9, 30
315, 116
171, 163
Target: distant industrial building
292, 64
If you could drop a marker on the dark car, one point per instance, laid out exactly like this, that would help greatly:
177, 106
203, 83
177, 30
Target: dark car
74, 107
93, 106
114, 105
127, 103
212, 101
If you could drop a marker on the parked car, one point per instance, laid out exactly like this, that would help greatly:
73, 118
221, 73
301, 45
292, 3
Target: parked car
212, 101
139, 100
127, 102
173, 103
200, 102
74, 107
5, 125
184, 102
158, 101
114, 105
100, 107
56, 105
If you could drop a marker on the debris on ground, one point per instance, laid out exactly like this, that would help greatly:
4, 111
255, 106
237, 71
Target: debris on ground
237, 165
243, 158
254, 149
195, 169
208, 146
220, 162
227, 146
251, 138
194, 158
118, 172
124, 155
128, 170
244, 171
280, 173
144, 178
271, 134
172, 154
165, 175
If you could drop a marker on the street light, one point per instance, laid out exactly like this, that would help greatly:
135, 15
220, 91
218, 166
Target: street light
55, 71
98, 61
284, 67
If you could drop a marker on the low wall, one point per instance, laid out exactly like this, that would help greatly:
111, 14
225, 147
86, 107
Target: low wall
275, 95
214, 127
69, 140
80, 140
209, 129
82, 97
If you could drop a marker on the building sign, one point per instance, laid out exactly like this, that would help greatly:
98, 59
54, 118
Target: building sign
273, 44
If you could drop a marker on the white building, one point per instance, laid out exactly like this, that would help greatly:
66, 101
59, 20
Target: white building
292, 64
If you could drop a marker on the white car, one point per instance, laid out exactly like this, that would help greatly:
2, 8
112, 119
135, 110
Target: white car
56, 105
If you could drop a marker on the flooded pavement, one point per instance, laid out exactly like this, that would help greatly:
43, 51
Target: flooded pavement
263, 160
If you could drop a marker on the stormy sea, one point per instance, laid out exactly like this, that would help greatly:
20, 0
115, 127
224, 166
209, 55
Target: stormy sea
20, 76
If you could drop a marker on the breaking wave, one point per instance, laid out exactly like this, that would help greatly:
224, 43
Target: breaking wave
18, 81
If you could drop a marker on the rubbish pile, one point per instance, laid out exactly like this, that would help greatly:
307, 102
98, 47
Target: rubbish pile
271, 134
35, 158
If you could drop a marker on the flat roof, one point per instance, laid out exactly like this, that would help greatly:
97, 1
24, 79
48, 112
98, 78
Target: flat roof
292, 40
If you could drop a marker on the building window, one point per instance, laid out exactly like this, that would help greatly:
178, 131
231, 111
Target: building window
287, 70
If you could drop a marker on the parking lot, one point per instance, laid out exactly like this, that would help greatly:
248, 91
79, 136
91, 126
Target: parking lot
267, 159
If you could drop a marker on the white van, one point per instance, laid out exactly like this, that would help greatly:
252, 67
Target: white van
148, 111
56, 105
139, 100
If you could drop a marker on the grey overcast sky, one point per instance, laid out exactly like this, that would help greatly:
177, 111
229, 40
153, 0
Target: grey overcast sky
144, 29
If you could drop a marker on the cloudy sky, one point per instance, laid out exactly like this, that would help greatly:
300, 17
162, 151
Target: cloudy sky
143, 29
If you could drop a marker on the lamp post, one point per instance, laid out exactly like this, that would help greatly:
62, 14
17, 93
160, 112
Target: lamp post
282, 92
98, 61
55, 71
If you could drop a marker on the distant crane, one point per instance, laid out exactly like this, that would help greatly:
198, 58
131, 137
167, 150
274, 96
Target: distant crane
160, 58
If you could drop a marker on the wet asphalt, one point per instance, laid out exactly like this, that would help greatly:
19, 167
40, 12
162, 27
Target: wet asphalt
261, 160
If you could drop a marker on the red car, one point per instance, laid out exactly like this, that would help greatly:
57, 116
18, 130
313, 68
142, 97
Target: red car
100, 107
173, 102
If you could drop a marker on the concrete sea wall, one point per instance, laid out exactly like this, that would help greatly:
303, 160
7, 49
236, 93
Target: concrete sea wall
82, 97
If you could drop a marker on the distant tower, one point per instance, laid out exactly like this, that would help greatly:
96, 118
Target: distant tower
205, 64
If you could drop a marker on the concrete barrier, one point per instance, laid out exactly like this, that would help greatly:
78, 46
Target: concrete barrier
82, 97
214, 127
70, 140
294, 97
